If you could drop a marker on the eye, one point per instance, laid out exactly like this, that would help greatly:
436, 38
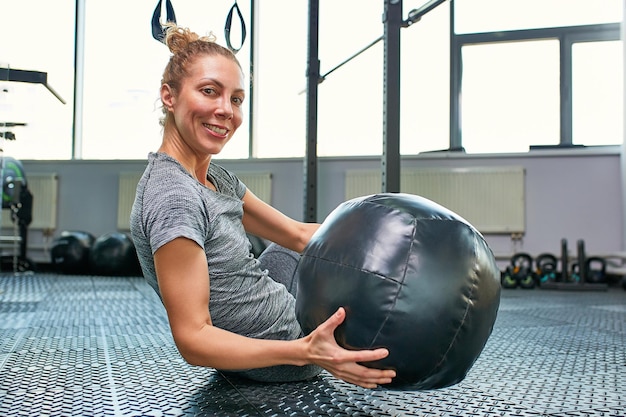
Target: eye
209, 91
238, 101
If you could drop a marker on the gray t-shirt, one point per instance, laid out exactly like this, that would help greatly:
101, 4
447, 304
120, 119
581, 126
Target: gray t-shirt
169, 204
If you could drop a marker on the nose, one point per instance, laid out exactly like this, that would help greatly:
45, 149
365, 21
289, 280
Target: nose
225, 108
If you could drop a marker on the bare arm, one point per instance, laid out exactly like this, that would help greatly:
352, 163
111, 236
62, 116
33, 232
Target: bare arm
182, 273
265, 221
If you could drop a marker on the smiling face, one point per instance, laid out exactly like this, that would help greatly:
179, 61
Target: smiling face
206, 110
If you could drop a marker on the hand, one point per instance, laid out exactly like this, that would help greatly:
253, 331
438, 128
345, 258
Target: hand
342, 363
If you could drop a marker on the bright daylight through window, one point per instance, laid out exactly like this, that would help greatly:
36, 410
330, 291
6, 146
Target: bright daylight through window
510, 90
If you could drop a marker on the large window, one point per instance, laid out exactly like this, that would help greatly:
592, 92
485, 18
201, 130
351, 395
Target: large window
425, 78
279, 77
123, 69
350, 102
597, 93
350, 99
30, 40
515, 74
510, 96
520, 85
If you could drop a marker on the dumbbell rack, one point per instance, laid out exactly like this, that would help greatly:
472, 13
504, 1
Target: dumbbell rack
566, 281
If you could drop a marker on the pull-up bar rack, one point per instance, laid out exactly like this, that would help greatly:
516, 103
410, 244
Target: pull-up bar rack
390, 163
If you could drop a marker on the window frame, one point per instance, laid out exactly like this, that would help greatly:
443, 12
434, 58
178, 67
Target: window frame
566, 36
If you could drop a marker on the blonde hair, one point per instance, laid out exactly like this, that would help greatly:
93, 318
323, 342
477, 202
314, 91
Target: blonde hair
186, 46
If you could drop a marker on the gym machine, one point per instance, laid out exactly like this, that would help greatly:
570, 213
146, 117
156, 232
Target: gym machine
16, 197
393, 22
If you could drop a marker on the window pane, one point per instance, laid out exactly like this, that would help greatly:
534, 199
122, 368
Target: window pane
350, 100
279, 77
597, 93
123, 69
510, 96
425, 111
33, 41
494, 15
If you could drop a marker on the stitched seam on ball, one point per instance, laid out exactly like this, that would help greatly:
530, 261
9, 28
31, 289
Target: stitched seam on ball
401, 282
375, 274
473, 276
330, 261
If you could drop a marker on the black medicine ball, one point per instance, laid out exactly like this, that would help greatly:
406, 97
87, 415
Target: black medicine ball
413, 276
114, 254
70, 252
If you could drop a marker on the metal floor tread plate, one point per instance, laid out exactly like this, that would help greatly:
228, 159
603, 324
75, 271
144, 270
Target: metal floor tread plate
101, 346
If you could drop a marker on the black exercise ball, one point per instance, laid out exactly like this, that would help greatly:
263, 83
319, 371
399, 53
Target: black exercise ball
413, 276
114, 254
70, 252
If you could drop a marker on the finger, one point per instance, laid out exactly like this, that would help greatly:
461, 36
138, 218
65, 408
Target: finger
366, 355
366, 377
335, 320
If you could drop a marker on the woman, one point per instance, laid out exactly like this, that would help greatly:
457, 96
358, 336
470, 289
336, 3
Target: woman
189, 225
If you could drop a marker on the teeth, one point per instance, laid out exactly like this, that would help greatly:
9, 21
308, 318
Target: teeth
219, 131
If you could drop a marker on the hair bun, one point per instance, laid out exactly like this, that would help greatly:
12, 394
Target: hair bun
178, 38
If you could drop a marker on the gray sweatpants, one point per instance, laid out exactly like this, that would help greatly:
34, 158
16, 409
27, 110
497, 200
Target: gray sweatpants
281, 264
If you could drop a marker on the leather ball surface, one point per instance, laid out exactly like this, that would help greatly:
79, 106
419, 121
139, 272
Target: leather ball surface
413, 276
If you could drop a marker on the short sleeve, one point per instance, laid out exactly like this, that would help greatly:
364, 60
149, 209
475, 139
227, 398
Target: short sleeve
173, 212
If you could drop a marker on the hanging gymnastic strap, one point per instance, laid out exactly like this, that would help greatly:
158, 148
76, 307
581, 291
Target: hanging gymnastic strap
158, 31
229, 20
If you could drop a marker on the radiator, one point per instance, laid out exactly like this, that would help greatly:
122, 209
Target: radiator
125, 198
492, 199
260, 183
44, 187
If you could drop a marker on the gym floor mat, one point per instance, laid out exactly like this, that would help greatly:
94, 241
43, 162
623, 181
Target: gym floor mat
101, 346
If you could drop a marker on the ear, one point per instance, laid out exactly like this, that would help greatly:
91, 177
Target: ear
167, 97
